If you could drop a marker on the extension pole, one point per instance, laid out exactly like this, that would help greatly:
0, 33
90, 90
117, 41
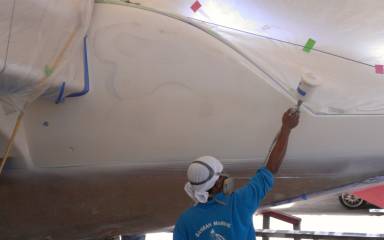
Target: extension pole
10, 141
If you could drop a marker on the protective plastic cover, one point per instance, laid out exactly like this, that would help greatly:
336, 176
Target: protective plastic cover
41, 36
347, 56
349, 43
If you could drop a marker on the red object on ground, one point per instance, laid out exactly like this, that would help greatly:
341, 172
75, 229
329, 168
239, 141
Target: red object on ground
379, 69
196, 6
374, 195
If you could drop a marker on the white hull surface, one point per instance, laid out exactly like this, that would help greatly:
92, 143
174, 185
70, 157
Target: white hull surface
163, 93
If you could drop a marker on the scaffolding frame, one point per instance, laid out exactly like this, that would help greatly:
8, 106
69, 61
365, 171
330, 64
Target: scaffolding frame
297, 234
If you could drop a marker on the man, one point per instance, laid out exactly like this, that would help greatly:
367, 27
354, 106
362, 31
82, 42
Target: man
219, 216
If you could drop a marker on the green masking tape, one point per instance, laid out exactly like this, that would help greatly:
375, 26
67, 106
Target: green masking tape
309, 45
48, 71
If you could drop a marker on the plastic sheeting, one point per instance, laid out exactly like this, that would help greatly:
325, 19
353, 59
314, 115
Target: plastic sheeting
42, 36
5, 20
271, 35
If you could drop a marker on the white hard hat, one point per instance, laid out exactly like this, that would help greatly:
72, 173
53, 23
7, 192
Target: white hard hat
202, 175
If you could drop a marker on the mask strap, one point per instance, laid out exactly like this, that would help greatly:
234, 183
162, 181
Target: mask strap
211, 173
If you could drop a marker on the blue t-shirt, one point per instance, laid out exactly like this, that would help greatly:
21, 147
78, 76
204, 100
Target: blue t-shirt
226, 217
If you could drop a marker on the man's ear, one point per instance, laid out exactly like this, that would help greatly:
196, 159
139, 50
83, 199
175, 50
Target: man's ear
218, 186
220, 183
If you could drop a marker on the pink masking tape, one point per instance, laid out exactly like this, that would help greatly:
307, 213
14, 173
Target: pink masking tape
196, 6
379, 69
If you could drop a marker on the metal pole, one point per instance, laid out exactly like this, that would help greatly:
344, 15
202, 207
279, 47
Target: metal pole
266, 221
297, 227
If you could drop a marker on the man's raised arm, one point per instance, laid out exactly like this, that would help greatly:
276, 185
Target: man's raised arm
275, 158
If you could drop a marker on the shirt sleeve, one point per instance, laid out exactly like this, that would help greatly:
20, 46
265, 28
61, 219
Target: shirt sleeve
249, 196
180, 232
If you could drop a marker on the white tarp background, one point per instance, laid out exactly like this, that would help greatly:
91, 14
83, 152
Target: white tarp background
45, 33
349, 35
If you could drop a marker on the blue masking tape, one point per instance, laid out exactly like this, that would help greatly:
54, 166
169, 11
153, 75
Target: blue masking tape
301, 91
86, 73
60, 97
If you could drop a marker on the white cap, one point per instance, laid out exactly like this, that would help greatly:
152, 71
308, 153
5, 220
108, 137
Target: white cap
202, 175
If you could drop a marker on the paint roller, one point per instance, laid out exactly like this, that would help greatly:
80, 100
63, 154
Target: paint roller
304, 91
